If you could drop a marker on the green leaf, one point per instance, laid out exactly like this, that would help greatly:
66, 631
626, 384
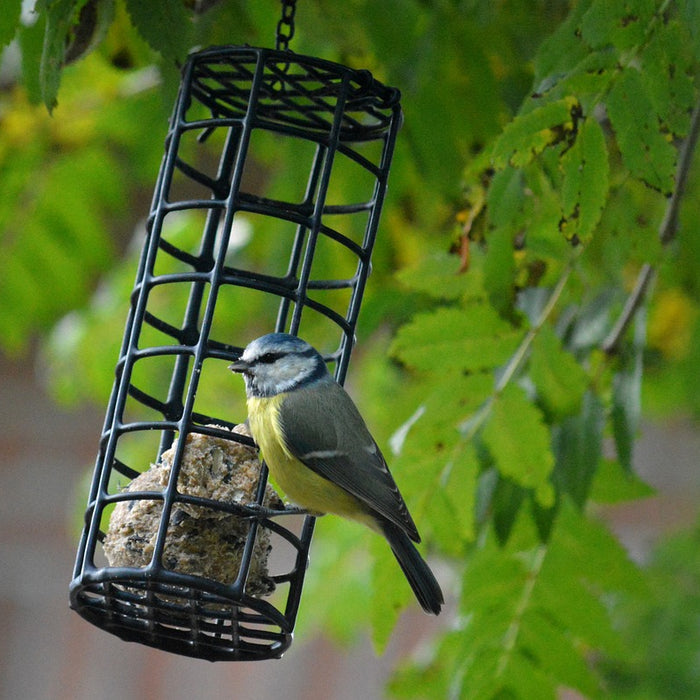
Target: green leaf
508, 211
569, 598
645, 150
339, 559
582, 73
554, 649
436, 467
31, 43
9, 20
627, 398
520, 677
497, 589
559, 379
442, 408
594, 558
164, 24
529, 134
560, 52
60, 17
436, 679
690, 16
578, 444
586, 182
449, 512
499, 270
391, 594
542, 240
519, 441
438, 276
614, 484
507, 202
451, 339
667, 72
504, 506
622, 23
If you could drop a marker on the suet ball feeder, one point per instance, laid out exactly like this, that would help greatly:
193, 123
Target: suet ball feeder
242, 101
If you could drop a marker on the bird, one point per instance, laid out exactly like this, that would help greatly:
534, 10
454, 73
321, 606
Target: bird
320, 452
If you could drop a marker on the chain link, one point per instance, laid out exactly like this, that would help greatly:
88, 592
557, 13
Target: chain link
285, 26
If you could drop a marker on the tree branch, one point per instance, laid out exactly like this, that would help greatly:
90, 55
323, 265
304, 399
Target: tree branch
667, 232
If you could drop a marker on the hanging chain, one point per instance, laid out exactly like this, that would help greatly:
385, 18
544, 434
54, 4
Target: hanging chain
285, 27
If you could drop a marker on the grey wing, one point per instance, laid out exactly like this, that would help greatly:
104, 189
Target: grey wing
325, 431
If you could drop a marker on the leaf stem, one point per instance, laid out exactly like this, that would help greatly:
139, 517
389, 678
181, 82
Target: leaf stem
667, 232
518, 356
469, 427
511, 636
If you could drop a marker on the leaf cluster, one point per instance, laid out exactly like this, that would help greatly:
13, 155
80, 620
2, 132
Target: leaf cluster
537, 401
531, 614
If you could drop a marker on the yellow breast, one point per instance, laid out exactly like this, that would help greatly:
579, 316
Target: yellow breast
300, 484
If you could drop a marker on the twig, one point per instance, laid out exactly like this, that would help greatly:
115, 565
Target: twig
669, 225
667, 232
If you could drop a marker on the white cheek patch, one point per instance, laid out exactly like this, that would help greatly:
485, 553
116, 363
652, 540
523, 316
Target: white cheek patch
286, 373
290, 371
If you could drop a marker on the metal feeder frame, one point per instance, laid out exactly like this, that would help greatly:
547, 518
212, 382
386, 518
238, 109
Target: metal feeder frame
241, 90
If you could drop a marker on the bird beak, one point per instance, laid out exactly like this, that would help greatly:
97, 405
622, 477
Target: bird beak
239, 365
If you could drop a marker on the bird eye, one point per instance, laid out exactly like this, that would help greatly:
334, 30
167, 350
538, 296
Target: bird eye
269, 357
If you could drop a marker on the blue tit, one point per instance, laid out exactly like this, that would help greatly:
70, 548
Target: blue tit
320, 452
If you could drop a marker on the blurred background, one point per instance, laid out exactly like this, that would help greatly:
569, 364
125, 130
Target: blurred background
48, 652
80, 149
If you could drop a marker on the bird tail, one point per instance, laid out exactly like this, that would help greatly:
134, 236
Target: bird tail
420, 577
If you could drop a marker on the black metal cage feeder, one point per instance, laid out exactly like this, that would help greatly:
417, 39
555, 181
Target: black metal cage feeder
239, 102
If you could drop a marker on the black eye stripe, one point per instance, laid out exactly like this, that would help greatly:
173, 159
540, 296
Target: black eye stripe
269, 357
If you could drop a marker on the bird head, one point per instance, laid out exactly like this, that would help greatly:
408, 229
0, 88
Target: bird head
277, 363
